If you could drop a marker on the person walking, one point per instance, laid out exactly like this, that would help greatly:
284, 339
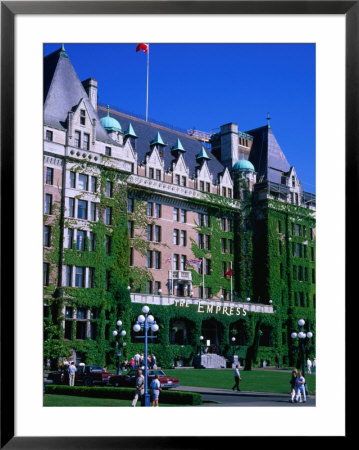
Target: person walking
72, 370
155, 390
140, 387
237, 378
137, 359
300, 387
314, 366
309, 365
153, 364
293, 385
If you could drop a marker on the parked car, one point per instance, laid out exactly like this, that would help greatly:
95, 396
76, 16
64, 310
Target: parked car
85, 376
129, 379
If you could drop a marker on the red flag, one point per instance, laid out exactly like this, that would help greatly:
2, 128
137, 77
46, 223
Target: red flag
143, 47
228, 274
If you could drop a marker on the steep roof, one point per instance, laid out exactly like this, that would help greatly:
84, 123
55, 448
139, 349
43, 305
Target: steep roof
147, 131
63, 91
266, 155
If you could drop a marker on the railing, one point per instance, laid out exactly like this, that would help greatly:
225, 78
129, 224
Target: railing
180, 275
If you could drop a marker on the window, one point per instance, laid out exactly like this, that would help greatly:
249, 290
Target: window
176, 237
183, 215
176, 214
108, 215
92, 241
109, 189
71, 207
83, 181
70, 238
82, 117
207, 242
77, 141
224, 192
200, 241
299, 250
300, 273
130, 226
305, 273
305, 251
294, 272
184, 181
301, 299
312, 253
201, 185
46, 273
93, 209
108, 151
280, 247
149, 287
80, 240
175, 262
81, 327
312, 234
177, 179
292, 227
86, 141
150, 173
131, 256
108, 244
91, 277
281, 270
149, 209
157, 210
230, 242
93, 184
297, 230
158, 175
157, 287
224, 268
207, 267
183, 262
279, 226
80, 277
68, 323
208, 187
149, 232
157, 233
49, 175
49, 135
82, 209
304, 231
245, 225
130, 204
48, 204
68, 276
223, 224
149, 258
72, 179
157, 256
245, 246
107, 280
246, 272
47, 236
183, 238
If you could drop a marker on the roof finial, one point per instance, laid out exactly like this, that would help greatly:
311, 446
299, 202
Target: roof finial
268, 119
63, 48
108, 110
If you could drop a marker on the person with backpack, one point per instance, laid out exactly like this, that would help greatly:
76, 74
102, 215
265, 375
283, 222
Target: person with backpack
155, 390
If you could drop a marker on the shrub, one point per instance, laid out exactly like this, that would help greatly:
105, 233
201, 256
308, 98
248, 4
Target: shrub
170, 397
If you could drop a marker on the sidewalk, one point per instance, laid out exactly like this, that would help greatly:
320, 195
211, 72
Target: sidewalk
214, 391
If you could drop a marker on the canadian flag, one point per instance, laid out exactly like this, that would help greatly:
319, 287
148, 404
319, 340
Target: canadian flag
228, 274
143, 47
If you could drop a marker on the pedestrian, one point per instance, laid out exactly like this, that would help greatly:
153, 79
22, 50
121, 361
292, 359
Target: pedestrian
72, 371
140, 387
132, 363
314, 365
153, 363
293, 385
300, 388
155, 390
237, 378
137, 359
309, 365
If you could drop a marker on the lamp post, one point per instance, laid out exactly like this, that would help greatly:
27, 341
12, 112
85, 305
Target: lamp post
200, 345
233, 345
118, 333
145, 322
303, 341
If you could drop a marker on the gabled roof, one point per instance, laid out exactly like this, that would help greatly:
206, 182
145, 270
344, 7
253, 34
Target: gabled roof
267, 156
62, 92
146, 132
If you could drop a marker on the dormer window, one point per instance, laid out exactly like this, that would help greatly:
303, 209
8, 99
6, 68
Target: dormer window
151, 173
108, 151
82, 117
86, 143
177, 179
158, 175
293, 181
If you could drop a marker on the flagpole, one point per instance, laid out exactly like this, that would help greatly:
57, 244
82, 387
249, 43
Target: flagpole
231, 282
172, 273
202, 277
148, 73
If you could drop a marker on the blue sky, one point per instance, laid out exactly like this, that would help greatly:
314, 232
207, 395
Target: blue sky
207, 85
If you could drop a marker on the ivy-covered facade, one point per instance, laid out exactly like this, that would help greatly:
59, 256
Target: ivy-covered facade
214, 233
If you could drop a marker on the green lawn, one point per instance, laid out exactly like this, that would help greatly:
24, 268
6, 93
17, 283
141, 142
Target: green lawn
69, 400
254, 380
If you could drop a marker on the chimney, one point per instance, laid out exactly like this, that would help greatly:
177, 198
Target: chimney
229, 144
90, 86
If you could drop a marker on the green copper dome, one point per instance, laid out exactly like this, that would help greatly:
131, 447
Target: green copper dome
109, 123
243, 164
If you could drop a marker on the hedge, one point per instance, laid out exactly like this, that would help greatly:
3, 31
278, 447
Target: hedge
170, 397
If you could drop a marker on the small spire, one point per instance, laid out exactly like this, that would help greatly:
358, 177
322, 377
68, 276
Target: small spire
63, 51
108, 110
268, 119
63, 48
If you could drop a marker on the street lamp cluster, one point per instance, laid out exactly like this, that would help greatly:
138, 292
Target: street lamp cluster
118, 333
304, 338
145, 322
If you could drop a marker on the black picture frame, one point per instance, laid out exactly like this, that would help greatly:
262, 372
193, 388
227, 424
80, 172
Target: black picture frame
9, 10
